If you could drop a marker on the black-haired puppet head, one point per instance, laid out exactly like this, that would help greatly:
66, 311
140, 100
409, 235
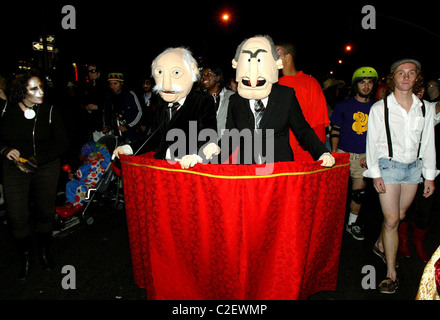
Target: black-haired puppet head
257, 63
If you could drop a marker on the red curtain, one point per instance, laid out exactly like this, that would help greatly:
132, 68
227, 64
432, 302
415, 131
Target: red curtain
224, 232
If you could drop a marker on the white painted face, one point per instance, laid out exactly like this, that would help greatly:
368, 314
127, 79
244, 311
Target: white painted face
34, 92
256, 68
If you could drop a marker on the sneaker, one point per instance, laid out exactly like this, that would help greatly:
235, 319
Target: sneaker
388, 286
355, 230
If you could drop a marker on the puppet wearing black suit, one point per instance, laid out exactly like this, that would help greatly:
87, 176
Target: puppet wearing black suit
257, 63
197, 108
282, 112
175, 136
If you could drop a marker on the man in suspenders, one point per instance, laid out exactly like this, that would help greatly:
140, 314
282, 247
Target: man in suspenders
398, 154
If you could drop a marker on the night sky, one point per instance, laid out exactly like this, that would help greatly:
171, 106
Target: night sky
127, 35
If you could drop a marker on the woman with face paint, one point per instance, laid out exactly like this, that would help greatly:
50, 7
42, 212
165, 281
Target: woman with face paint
32, 138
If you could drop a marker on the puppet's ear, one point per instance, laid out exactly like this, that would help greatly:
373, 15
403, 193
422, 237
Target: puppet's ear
279, 64
195, 69
234, 64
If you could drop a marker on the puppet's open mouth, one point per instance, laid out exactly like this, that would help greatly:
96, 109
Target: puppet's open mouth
247, 82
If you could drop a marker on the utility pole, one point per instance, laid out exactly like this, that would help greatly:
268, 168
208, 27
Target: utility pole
43, 29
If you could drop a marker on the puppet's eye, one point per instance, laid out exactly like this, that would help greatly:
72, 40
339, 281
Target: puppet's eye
176, 72
260, 60
158, 72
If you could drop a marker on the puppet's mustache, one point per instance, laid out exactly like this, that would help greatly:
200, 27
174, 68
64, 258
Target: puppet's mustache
175, 88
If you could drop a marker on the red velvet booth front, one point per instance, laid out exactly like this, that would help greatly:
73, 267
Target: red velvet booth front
224, 232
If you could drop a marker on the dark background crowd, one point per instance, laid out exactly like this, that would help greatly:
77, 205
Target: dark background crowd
331, 42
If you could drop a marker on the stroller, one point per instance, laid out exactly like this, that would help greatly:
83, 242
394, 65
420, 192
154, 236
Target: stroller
95, 177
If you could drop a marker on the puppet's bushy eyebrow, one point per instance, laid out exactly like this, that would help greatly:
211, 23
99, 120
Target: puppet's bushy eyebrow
254, 54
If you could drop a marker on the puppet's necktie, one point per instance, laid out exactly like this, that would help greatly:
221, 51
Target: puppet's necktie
172, 110
259, 111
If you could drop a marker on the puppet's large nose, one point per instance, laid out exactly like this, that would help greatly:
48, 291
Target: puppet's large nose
253, 72
166, 84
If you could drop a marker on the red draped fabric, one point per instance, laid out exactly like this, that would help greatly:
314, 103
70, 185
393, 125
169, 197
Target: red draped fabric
224, 232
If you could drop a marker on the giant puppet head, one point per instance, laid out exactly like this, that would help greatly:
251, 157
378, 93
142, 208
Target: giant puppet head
175, 71
257, 63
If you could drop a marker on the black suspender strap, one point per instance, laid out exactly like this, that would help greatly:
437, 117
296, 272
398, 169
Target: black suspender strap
420, 143
387, 127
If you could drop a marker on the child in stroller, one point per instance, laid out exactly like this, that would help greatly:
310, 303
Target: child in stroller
96, 159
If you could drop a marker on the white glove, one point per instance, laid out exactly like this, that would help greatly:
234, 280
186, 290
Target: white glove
327, 160
190, 160
125, 149
211, 149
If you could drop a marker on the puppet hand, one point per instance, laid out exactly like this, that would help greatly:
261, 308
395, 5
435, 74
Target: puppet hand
327, 160
125, 149
211, 149
190, 160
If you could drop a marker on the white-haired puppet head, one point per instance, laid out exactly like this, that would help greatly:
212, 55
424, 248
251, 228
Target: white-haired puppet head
257, 63
175, 71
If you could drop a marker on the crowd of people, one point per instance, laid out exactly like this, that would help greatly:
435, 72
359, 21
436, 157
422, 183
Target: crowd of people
399, 158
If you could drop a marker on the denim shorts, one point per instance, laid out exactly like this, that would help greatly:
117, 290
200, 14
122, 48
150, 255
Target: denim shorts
394, 172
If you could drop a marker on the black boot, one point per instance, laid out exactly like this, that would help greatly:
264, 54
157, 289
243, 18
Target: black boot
44, 242
24, 246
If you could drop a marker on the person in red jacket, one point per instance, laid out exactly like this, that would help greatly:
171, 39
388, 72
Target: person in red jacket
309, 95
